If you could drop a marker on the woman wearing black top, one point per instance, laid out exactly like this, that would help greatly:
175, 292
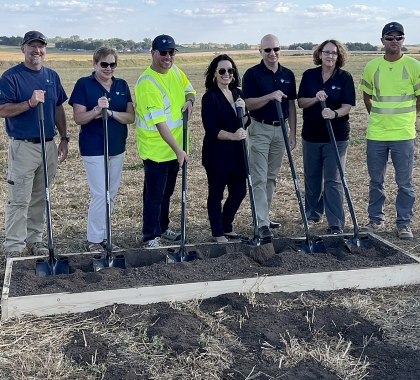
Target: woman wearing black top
222, 154
326, 83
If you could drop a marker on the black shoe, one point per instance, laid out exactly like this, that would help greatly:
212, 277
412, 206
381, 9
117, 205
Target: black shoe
265, 232
274, 224
334, 230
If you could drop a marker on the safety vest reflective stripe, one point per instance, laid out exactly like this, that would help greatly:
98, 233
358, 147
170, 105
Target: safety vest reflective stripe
158, 113
417, 87
393, 111
402, 98
366, 84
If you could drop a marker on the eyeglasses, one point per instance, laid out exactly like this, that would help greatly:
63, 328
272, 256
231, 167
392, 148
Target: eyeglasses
104, 65
331, 53
268, 50
231, 71
165, 53
392, 38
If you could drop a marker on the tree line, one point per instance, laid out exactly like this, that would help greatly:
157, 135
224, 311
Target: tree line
76, 43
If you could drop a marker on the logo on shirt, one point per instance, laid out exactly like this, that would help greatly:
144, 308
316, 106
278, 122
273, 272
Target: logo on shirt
284, 80
120, 93
50, 81
336, 87
150, 107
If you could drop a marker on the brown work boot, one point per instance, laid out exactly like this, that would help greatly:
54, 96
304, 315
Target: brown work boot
37, 249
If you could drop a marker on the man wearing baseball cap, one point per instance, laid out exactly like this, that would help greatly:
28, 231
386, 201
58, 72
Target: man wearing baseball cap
163, 93
22, 88
391, 93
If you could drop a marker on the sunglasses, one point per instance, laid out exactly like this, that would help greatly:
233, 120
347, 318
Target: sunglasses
331, 53
391, 38
268, 50
230, 71
164, 53
34, 36
104, 65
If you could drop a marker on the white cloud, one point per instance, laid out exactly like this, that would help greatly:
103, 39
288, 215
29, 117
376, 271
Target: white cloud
321, 8
228, 21
149, 2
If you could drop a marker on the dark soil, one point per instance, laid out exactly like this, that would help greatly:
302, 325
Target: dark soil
259, 329
215, 262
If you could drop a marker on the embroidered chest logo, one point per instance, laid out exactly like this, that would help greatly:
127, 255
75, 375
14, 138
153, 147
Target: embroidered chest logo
335, 87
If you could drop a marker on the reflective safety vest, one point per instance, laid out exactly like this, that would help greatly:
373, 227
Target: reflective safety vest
160, 98
394, 87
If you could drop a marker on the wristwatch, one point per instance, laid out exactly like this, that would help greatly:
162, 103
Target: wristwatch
336, 115
65, 138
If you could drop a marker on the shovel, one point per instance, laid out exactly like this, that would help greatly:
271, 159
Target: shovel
109, 260
355, 241
256, 240
53, 266
182, 255
308, 246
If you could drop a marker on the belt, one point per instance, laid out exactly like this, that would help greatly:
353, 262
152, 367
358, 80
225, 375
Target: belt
35, 140
274, 123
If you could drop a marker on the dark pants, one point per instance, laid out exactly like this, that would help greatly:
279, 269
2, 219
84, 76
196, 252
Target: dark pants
159, 185
221, 221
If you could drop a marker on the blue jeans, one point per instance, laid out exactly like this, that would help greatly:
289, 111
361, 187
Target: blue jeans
159, 185
323, 186
402, 155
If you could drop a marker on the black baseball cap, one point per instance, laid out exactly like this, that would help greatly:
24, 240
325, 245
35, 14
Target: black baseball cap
34, 35
163, 42
392, 27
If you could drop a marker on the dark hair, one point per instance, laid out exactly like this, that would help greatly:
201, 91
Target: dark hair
209, 74
341, 49
103, 52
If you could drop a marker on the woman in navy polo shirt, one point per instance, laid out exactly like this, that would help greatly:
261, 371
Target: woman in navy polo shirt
90, 95
325, 83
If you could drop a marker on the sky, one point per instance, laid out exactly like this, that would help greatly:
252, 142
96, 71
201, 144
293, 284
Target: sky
220, 21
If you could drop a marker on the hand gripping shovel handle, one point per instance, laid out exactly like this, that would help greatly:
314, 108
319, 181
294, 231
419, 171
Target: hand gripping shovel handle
342, 175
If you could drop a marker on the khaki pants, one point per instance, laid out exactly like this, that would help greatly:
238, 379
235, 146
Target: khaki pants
25, 208
266, 149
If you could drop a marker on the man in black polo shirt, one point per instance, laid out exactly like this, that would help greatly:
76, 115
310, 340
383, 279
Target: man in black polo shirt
263, 84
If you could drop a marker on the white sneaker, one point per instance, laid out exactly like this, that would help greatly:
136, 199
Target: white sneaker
171, 235
154, 243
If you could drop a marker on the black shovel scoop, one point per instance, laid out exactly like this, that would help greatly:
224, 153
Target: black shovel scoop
308, 245
356, 240
109, 260
182, 254
256, 240
54, 265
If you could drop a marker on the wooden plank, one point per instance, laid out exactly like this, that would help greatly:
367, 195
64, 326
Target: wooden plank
47, 304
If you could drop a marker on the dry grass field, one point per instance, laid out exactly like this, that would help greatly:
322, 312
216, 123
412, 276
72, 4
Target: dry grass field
32, 348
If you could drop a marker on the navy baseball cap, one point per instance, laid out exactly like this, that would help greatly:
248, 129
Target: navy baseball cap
163, 42
34, 35
392, 27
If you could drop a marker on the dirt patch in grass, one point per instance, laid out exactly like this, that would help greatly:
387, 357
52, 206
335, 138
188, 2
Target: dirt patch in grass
215, 262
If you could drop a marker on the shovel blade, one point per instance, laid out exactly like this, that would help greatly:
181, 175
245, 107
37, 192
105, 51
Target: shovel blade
358, 242
99, 263
173, 257
118, 261
302, 246
189, 256
47, 268
318, 246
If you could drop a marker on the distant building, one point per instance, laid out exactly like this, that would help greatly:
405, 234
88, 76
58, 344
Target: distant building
299, 48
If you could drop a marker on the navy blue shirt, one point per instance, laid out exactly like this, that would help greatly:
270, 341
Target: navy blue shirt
17, 85
259, 81
86, 92
340, 90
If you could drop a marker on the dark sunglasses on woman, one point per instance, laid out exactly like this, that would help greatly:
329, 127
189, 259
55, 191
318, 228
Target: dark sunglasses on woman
104, 65
223, 71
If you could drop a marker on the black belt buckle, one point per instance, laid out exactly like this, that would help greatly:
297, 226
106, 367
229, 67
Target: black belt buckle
274, 123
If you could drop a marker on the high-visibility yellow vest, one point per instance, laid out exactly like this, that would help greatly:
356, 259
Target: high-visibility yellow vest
394, 87
160, 98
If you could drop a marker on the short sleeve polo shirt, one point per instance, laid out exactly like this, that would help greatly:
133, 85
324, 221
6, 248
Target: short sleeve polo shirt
259, 81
